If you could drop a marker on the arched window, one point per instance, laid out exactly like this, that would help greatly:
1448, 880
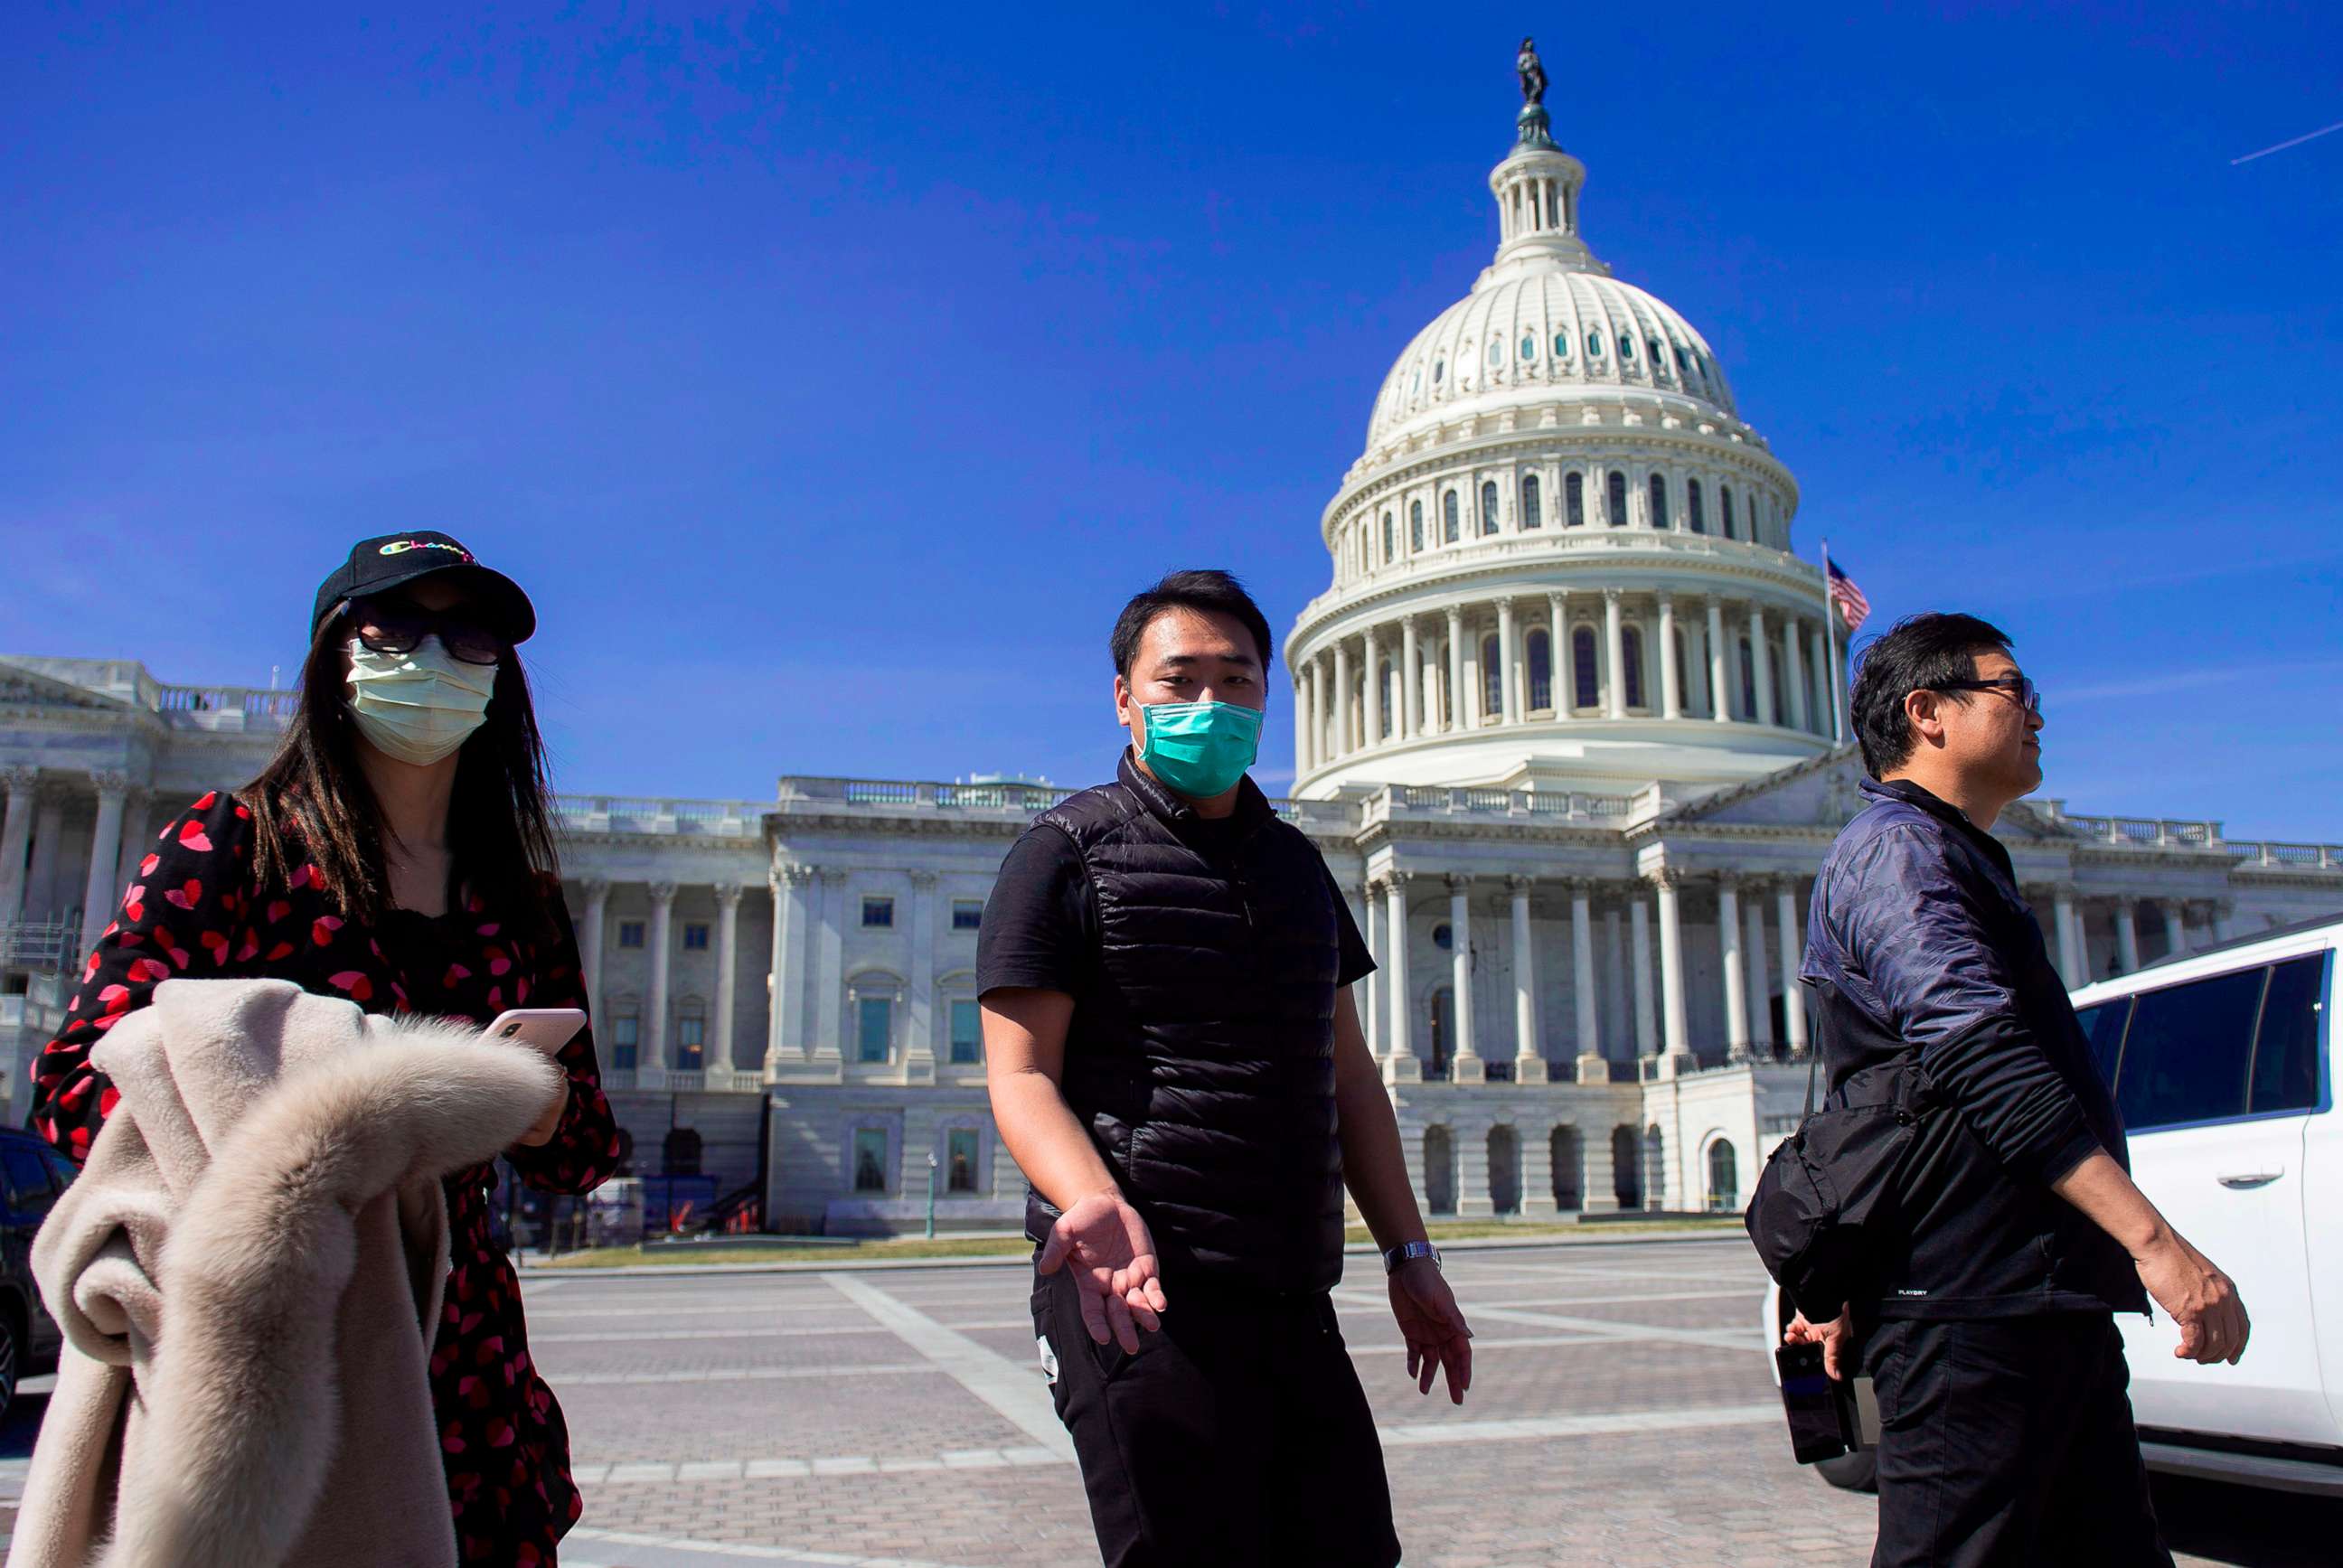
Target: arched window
1391, 536
1695, 517
1540, 662
1566, 1162
1444, 1029
1659, 356
1616, 495
1630, 653
1450, 528
1684, 674
1533, 515
1659, 492
1626, 1168
1439, 1168
1723, 1178
1725, 509
1584, 691
1561, 345
1415, 526
1488, 505
1492, 678
1529, 346
1439, 371
1390, 703
1748, 682
1505, 1149
1626, 351
1781, 689
1594, 344
1496, 352
1574, 499
1655, 1167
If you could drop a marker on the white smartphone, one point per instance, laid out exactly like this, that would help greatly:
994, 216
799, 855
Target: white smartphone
548, 1029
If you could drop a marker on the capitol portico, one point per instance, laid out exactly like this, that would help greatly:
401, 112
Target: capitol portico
1564, 728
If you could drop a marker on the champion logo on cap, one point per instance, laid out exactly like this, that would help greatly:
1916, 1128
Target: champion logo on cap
400, 547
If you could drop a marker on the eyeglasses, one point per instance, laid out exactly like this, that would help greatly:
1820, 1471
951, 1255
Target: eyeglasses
2018, 688
396, 626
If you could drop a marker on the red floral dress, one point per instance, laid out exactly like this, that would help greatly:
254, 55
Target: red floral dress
195, 913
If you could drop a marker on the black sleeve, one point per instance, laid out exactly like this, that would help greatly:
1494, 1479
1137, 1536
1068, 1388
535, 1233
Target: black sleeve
1039, 932
1357, 963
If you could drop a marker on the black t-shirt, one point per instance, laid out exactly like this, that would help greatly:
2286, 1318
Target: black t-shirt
1041, 929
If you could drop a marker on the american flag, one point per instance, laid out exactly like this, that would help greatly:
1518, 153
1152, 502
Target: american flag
1853, 608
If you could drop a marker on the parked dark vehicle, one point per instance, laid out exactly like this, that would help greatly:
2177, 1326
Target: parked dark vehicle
32, 1175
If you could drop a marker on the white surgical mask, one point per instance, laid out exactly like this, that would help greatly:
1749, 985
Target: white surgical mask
417, 706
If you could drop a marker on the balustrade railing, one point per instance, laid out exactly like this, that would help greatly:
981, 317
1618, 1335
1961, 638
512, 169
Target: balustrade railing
2165, 832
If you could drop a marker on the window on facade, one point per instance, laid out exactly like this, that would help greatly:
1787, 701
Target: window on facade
1561, 345
1573, 500
1725, 509
1533, 513
870, 1160
1493, 679
968, 914
1496, 352
690, 1043
1659, 355
959, 1160
1615, 497
1626, 350
1439, 371
1488, 505
878, 911
1450, 527
1630, 653
1748, 682
966, 1032
1781, 687
631, 933
1529, 346
1387, 710
1585, 692
1594, 344
626, 1040
1696, 516
1684, 677
2286, 1049
695, 936
1391, 536
1658, 489
1723, 1178
2187, 1053
1416, 525
1540, 662
874, 1028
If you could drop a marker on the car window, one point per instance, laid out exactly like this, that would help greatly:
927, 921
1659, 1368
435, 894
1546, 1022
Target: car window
2286, 1048
2103, 1027
62, 1171
28, 1177
2185, 1055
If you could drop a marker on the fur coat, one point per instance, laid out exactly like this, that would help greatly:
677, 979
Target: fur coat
247, 1272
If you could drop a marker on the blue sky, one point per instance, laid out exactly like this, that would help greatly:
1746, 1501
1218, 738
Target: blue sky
829, 375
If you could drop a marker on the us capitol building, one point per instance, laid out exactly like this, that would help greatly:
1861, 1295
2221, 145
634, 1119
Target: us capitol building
1563, 729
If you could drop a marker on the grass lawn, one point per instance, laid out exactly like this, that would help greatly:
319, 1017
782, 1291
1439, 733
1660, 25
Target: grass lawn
890, 1248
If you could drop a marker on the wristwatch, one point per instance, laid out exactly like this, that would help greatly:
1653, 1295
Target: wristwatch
1407, 1253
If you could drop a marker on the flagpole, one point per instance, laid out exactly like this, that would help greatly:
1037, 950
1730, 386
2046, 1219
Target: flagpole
1830, 636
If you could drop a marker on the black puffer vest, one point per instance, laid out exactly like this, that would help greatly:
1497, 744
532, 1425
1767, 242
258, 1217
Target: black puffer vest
1203, 1063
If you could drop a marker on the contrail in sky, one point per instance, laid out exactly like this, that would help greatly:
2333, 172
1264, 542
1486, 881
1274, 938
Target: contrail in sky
2322, 130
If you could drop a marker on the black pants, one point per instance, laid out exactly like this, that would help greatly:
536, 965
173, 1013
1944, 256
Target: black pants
2007, 1443
1237, 1435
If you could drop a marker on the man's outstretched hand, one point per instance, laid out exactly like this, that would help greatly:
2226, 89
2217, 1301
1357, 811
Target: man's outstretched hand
1105, 1242
1434, 1327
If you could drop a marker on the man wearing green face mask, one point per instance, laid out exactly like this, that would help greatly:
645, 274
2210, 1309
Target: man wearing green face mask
1177, 1066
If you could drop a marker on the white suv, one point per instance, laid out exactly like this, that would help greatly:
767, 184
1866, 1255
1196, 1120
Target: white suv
2224, 1064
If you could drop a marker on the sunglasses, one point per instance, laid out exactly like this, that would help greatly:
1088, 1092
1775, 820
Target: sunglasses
2020, 689
396, 626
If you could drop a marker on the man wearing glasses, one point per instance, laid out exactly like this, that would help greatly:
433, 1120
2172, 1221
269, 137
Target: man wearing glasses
1989, 1332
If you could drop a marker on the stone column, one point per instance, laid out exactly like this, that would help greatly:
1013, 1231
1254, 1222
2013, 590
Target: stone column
2225, 919
655, 1005
1535, 1161
1509, 710
1557, 653
2127, 935
1369, 1002
1793, 676
1667, 880
727, 978
1614, 973
1614, 647
1529, 1052
1582, 969
1401, 1064
102, 895
1300, 724
1752, 916
2070, 947
920, 1054
1410, 682
1341, 747
1316, 742
785, 985
826, 931
1761, 665
1720, 689
48, 833
1736, 979
1465, 1068
1818, 660
1647, 1034
1670, 706
2176, 925
134, 839
1794, 996
1454, 696
1374, 689
590, 939
1598, 1188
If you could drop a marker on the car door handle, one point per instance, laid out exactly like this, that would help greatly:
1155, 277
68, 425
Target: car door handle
2241, 1180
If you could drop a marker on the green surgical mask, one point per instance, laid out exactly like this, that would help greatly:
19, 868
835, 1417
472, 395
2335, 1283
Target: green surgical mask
417, 706
1199, 749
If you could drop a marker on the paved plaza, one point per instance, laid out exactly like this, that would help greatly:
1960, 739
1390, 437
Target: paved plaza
1620, 1414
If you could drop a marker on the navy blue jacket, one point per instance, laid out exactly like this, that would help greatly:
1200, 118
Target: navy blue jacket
1919, 945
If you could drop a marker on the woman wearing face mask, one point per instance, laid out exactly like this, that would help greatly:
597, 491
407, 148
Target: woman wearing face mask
398, 852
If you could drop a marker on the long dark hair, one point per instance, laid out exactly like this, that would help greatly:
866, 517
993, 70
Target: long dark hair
313, 804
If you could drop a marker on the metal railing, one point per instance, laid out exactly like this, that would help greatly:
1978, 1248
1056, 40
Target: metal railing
40, 944
684, 1079
2165, 832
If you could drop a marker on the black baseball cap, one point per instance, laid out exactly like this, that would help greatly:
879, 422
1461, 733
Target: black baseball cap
386, 561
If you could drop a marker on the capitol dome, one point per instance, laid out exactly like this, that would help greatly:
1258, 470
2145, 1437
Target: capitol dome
1563, 561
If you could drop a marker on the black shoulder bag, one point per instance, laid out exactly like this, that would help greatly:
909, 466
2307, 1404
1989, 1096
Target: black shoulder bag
1829, 1191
